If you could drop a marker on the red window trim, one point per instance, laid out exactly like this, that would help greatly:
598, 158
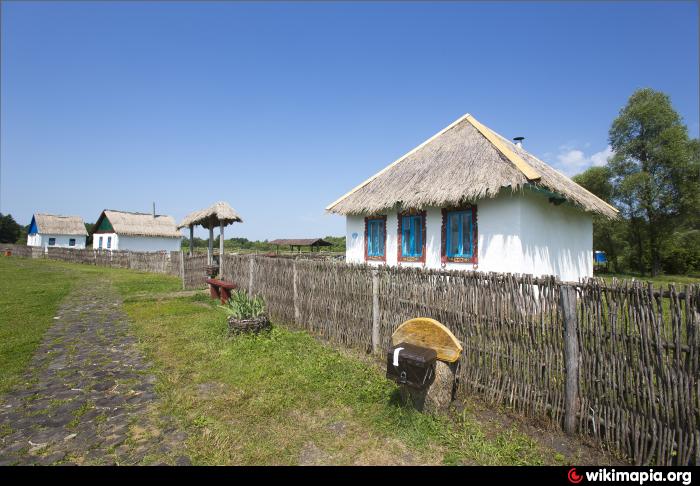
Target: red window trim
399, 253
443, 247
375, 258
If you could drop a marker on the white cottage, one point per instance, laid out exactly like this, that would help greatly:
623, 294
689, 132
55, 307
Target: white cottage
122, 230
57, 231
469, 199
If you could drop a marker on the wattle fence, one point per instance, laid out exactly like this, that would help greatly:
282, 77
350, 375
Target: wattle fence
616, 362
189, 269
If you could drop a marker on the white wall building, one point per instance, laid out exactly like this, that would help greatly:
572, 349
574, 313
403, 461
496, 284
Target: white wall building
50, 230
469, 199
121, 231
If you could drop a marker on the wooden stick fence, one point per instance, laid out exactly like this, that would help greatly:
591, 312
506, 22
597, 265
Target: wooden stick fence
619, 363
189, 269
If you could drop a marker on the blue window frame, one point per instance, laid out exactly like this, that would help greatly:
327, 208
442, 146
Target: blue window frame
411, 230
99, 243
71, 242
52, 241
459, 234
109, 242
375, 238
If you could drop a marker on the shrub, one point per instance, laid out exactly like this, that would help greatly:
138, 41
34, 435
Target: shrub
240, 306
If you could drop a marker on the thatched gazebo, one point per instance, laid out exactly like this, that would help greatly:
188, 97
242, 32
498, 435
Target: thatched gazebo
220, 214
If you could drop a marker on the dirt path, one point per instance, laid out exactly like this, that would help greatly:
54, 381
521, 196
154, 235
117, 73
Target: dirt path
88, 396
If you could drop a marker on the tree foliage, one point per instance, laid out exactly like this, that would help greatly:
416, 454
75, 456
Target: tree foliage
10, 230
653, 177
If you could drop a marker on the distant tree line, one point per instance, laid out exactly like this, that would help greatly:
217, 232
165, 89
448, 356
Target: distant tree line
233, 244
653, 178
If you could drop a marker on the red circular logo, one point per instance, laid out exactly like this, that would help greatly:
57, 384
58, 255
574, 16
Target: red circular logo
574, 477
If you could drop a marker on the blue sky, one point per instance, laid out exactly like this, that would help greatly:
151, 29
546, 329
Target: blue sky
280, 108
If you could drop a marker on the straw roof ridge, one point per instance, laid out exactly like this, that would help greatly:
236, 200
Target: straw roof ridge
463, 162
55, 224
140, 224
216, 214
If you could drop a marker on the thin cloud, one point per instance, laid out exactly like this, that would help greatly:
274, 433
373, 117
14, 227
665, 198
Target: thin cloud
572, 161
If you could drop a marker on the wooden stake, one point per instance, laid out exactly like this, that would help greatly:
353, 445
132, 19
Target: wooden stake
182, 269
375, 311
296, 295
210, 248
221, 246
250, 277
567, 301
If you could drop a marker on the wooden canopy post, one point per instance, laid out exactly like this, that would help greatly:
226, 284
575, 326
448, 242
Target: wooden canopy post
191, 239
221, 244
210, 248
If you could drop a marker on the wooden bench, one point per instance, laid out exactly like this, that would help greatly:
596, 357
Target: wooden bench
220, 289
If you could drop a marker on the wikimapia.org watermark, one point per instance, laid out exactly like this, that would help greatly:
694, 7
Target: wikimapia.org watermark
640, 477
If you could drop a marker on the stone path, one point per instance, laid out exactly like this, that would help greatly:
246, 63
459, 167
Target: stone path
88, 396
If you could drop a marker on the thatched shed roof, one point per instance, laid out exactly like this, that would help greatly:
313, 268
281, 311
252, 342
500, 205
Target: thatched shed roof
464, 162
301, 242
53, 224
214, 215
137, 224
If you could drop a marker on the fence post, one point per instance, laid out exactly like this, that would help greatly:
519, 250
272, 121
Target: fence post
375, 311
182, 268
567, 302
297, 317
250, 276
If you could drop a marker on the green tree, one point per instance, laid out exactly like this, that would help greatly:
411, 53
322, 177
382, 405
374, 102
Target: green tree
650, 166
607, 233
9, 229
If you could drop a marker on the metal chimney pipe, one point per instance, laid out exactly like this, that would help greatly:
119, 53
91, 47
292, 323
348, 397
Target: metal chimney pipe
519, 141
154, 210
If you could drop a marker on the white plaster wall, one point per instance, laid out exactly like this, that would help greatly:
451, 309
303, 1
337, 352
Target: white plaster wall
62, 241
355, 239
517, 233
557, 240
148, 243
136, 243
96, 241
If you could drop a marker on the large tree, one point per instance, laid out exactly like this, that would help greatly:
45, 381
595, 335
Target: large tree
650, 172
606, 232
9, 229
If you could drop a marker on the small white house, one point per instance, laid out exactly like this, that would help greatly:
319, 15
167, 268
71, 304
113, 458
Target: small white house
469, 199
50, 230
121, 230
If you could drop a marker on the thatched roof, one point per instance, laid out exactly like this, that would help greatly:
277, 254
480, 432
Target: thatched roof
53, 224
302, 242
139, 224
464, 162
214, 215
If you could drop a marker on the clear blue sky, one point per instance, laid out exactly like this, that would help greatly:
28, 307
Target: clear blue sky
280, 108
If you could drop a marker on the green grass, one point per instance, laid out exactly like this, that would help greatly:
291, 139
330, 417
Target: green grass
277, 398
29, 297
658, 281
30, 294
267, 397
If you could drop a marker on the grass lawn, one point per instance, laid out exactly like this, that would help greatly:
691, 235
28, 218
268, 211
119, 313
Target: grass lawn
30, 294
278, 398
659, 280
29, 297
